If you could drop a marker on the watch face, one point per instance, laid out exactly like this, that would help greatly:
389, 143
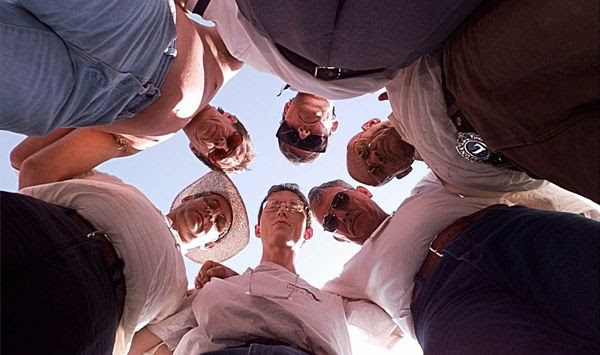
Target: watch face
471, 147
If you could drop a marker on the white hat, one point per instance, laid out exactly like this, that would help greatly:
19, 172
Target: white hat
238, 234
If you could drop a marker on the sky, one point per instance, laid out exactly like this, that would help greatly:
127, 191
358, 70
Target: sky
162, 171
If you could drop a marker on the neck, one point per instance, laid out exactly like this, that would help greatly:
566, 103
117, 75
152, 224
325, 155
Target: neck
283, 256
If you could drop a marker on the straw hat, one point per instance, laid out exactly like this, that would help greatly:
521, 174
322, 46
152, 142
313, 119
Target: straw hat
238, 234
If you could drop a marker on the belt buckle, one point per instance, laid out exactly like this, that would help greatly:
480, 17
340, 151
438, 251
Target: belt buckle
471, 147
336, 71
433, 250
93, 235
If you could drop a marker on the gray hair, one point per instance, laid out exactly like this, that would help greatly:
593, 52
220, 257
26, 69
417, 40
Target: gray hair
315, 196
293, 188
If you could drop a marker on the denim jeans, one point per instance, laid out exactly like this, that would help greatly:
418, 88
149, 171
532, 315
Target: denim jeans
518, 281
259, 349
57, 292
79, 62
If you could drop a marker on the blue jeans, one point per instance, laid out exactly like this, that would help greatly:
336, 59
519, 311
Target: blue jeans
58, 295
259, 349
79, 62
518, 281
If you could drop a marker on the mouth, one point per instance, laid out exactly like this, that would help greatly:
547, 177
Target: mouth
281, 222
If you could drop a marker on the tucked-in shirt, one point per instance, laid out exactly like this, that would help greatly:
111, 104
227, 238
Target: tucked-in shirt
247, 45
420, 117
154, 271
384, 268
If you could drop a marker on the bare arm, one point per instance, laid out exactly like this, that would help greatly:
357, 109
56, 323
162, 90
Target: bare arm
212, 269
75, 153
34, 144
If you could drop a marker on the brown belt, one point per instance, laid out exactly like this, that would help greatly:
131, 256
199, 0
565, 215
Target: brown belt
443, 239
111, 258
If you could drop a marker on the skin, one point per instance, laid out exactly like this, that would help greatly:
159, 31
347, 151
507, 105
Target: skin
387, 153
360, 217
211, 131
310, 114
194, 219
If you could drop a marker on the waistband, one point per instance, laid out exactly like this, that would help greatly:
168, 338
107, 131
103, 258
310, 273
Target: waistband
112, 260
443, 239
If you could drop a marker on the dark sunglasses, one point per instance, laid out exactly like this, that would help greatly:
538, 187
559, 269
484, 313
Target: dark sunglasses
312, 143
330, 221
233, 142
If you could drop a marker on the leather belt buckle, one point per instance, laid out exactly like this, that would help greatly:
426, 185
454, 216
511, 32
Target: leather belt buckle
327, 73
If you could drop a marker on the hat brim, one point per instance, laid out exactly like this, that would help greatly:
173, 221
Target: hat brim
238, 235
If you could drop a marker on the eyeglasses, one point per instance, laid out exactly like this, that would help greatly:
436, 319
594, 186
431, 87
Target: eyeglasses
294, 205
363, 150
233, 142
339, 201
312, 143
293, 287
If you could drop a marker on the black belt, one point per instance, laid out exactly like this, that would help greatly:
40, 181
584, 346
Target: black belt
469, 144
324, 73
111, 258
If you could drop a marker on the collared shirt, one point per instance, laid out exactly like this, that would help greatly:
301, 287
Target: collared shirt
247, 45
154, 271
255, 306
384, 268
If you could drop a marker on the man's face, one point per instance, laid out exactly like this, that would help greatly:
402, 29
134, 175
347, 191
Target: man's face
213, 136
378, 153
201, 220
356, 213
310, 115
283, 221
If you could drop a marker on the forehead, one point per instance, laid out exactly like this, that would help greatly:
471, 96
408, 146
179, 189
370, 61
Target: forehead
357, 167
283, 196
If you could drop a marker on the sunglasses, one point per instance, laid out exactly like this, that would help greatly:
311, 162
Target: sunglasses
312, 143
340, 201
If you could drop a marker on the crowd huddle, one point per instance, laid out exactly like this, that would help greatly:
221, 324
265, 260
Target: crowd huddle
495, 251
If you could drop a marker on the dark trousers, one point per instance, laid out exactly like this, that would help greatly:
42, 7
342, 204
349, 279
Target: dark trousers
518, 281
57, 293
525, 75
259, 349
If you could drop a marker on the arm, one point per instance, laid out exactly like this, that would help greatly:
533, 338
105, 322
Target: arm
378, 327
75, 153
212, 269
34, 144
144, 340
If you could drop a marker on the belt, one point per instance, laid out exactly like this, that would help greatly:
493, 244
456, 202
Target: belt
469, 144
111, 258
445, 238
324, 73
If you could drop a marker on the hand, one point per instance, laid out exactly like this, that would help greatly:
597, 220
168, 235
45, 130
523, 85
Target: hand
212, 269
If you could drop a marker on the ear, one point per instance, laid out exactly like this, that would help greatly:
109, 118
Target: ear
370, 123
363, 190
308, 233
257, 231
286, 107
334, 126
232, 119
404, 173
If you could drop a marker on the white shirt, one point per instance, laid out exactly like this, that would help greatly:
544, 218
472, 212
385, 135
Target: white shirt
248, 46
420, 117
225, 314
383, 269
154, 271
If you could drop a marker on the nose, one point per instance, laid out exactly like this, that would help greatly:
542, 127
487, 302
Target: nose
220, 142
282, 210
303, 132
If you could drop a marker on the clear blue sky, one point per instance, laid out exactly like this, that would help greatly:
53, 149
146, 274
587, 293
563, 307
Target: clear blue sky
161, 172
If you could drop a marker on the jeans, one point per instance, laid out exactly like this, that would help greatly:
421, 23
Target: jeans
73, 63
518, 281
57, 292
259, 349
